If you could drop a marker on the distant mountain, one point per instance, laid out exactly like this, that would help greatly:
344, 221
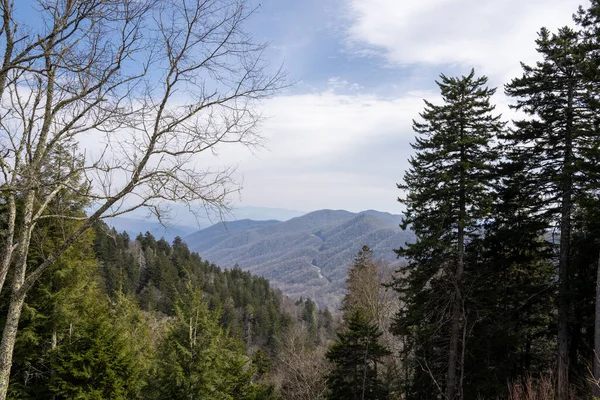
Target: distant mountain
134, 226
304, 256
262, 213
183, 222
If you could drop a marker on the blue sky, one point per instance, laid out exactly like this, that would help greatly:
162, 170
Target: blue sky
340, 137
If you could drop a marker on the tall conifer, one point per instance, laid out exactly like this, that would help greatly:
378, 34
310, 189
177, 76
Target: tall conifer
447, 197
512, 290
556, 144
355, 357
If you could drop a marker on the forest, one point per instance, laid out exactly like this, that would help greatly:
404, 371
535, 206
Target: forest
122, 318
498, 297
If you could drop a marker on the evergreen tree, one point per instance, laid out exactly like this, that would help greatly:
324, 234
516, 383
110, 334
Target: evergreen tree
355, 357
50, 312
367, 291
512, 290
73, 343
448, 195
106, 355
198, 360
586, 236
310, 318
120, 273
583, 278
558, 148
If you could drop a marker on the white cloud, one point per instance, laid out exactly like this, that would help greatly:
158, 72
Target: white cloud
323, 149
336, 83
492, 35
322, 124
326, 150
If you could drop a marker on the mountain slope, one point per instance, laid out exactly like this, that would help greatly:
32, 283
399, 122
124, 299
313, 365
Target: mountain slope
304, 256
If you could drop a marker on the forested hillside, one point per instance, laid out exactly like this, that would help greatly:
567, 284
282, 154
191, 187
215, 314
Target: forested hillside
305, 256
115, 319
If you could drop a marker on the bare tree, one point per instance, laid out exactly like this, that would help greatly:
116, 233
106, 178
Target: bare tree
368, 289
116, 101
302, 369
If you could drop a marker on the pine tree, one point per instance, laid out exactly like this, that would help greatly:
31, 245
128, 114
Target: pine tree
310, 318
355, 357
557, 147
583, 278
512, 290
198, 360
367, 291
73, 343
105, 354
50, 310
447, 197
120, 272
586, 237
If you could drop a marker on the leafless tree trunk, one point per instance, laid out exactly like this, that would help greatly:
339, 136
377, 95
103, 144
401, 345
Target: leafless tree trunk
145, 87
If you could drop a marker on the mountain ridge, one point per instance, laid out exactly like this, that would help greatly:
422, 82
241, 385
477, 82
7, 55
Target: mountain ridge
182, 222
304, 256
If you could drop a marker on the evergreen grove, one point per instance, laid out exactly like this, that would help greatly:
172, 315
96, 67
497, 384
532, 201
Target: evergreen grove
499, 285
122, 319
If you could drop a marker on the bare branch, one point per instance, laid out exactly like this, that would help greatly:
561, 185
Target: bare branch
118, 103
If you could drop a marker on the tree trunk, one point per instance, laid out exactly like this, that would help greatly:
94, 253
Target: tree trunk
9, 337
451, 378
597, 335
563, 264
455, 327
6, 64
9, 240
17, 298
563, 316
365, 366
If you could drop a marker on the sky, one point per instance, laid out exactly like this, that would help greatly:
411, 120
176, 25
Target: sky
340, 137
